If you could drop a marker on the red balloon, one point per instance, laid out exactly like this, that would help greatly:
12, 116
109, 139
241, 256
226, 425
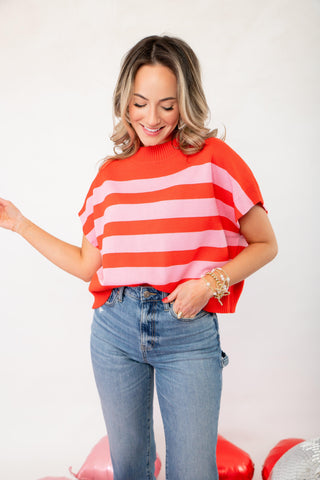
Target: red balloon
98, 464
273, 456
232, 462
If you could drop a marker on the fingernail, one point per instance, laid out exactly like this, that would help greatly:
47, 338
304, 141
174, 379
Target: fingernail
165, 299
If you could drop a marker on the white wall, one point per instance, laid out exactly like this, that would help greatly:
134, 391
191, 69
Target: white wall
59, 62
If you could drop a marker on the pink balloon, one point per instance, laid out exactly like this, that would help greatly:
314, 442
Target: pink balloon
54, 478
157, 466
98, 464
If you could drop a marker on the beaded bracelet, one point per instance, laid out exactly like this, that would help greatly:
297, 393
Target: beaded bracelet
222, 283
208, 284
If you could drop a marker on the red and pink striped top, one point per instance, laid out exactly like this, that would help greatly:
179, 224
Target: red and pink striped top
161, 217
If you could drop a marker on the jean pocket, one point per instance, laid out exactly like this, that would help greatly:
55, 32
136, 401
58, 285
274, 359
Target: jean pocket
199, 315
112, 298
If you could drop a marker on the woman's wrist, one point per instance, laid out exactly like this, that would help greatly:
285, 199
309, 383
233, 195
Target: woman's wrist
21, 225
221, 283
209, 283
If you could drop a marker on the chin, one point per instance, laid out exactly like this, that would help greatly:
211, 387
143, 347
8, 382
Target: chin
151, 142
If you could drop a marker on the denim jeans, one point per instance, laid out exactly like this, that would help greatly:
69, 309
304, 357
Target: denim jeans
134, 335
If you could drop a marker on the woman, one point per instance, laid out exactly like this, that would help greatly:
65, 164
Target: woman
173, 223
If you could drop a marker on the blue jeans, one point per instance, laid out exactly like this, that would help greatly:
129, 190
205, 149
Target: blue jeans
135, 334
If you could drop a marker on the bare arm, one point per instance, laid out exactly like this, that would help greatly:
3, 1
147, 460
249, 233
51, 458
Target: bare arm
262, 245
79, 261
190, 297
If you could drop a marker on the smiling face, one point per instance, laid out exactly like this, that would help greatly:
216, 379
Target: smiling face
153, 107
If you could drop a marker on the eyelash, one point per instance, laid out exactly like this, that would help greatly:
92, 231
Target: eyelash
164, 108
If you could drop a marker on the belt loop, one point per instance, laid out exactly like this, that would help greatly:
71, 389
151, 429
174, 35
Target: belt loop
120, 293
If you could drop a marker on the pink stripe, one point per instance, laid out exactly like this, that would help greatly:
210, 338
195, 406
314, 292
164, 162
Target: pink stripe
191, 175
223, 179
86, 213
164, 242
91, 236
203, 207
154, 275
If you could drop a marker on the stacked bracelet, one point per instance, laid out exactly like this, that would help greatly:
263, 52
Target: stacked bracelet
222, 283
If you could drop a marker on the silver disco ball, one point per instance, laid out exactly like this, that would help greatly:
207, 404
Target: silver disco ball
301, 462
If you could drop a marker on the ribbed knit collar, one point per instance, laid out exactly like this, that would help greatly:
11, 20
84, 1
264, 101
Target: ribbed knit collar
159, 152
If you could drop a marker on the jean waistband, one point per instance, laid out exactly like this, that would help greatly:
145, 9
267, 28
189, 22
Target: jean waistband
141, 293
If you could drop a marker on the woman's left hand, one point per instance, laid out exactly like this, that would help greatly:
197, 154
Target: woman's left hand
189, 298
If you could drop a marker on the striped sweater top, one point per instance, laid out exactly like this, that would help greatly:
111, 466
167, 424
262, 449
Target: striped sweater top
161, 217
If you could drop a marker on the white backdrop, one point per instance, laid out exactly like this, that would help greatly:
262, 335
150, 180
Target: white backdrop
59, 62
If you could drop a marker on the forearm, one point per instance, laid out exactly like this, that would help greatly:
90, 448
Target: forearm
251, 259
82, 261
66, 256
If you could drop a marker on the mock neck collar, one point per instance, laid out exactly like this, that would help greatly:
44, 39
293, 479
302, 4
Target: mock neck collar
161, 151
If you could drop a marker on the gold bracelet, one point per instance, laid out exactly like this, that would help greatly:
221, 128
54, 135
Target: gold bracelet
221, 288
222, 283
223, 275
209, 286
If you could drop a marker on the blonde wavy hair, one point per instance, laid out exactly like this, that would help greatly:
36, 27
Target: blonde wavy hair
175, 54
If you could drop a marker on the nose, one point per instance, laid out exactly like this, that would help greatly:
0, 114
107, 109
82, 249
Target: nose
152, 117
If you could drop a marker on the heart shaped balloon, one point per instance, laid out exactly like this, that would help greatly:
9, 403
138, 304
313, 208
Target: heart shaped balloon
233, 463
98, 464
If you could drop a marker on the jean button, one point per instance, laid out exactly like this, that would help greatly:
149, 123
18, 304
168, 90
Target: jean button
147, 294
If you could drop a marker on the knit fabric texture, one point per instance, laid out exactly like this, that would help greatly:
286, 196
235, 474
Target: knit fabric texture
161, 217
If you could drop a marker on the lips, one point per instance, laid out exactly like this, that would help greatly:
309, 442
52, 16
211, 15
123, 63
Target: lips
151, 131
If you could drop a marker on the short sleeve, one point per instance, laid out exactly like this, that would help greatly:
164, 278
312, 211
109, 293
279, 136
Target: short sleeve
86, 215
237, 178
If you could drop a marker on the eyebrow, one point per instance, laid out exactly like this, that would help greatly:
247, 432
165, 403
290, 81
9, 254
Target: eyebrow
162, 100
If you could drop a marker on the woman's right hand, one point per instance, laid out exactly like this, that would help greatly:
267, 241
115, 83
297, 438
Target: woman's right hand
10, 216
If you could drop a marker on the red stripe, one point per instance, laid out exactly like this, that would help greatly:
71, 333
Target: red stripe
170, 225
178, 192
165, 259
